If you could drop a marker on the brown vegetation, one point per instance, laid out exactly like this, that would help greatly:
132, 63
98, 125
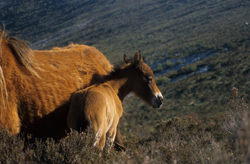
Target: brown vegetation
178, 140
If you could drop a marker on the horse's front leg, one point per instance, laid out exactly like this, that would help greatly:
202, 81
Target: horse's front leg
118, 141
9, 118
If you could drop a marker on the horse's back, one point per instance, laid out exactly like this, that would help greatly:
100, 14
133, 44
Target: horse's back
80, 57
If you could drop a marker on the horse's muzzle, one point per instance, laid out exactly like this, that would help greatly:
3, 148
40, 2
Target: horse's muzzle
158, 101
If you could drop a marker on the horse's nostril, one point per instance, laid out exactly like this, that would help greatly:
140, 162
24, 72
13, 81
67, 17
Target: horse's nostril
158, 101
160, 98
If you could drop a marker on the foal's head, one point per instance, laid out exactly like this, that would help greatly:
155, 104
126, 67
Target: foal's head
144, 85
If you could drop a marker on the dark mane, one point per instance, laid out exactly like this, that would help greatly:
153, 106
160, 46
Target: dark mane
118, 68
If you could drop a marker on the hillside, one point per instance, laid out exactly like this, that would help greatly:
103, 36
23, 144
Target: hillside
118, 27
165, 31
199, 50
205, 94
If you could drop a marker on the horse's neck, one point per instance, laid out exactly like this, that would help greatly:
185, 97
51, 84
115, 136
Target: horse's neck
120, 87
121, 84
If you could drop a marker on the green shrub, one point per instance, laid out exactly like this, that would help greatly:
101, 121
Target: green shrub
162, 80
188, 69
169, 64
159, 68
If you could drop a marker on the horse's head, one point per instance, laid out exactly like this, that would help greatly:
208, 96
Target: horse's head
144, 82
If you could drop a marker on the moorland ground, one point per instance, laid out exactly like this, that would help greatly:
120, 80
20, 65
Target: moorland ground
188, 127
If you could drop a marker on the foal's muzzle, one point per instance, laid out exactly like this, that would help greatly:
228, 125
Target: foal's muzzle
158, 101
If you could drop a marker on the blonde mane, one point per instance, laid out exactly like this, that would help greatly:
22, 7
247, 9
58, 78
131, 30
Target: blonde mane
3, 91
23, 53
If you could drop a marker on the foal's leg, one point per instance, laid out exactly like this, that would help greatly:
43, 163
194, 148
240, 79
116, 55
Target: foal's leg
111, 137
111, 134
100, 138
100, 127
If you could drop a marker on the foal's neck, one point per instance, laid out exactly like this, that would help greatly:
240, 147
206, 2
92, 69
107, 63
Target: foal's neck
121, 82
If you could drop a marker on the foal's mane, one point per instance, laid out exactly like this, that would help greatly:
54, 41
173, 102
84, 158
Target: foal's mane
118, 68
136, 62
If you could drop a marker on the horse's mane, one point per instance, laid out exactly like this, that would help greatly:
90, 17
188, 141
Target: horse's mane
24, 56
3, 91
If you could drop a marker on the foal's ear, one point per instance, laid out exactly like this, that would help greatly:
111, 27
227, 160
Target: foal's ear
138, 58
126, 59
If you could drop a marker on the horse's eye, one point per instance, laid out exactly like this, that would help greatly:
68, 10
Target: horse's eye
149, 79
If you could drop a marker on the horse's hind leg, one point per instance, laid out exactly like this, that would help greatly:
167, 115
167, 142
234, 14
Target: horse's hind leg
99, 125
112, 132
110, 137
100, 138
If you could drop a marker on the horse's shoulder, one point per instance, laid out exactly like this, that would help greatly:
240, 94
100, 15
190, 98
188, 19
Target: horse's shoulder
87, 92
106, 85
107, 88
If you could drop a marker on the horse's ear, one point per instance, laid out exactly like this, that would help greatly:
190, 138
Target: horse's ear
126, 59
138, 58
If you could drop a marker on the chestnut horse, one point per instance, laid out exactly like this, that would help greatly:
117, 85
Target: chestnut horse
100, 106
36, 86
